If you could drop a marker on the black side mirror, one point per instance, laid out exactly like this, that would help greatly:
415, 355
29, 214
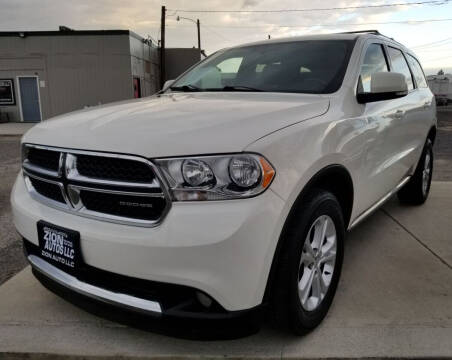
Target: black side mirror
364, 98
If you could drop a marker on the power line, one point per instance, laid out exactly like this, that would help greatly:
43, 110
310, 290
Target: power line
216, 33
437, 59
447, 46
338, 24
433, 44
430, 2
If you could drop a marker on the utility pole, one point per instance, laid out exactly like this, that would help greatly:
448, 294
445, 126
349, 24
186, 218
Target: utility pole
162, 48
199, 36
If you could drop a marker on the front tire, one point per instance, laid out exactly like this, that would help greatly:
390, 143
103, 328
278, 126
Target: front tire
310, 263
416, 190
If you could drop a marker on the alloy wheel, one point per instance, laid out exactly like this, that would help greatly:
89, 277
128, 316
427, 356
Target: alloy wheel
317, 264
426, 173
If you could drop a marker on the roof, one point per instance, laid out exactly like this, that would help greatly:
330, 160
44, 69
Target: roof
352, 35
70, 32
306, 37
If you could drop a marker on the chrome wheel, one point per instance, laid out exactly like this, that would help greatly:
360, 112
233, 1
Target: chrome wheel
426, 173
318, 259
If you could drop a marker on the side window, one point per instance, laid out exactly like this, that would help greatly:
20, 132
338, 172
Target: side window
417, 72
374, 61
230, 66
228, 70
400, 65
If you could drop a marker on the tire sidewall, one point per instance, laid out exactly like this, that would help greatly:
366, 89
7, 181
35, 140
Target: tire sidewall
412, 193
428, 149
323, 204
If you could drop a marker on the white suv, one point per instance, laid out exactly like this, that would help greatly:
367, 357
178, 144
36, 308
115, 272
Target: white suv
234, 187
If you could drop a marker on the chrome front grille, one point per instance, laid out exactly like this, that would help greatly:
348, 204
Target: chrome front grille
112, 187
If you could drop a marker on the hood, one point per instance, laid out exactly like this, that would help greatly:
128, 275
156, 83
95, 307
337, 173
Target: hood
178, 123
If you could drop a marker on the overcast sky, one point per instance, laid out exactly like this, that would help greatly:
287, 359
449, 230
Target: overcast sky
220, 30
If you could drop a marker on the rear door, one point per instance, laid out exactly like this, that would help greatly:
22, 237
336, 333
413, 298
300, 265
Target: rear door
427, 108
380, 171
410, 127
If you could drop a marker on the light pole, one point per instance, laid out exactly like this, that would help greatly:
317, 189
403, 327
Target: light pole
198, 25
162, 48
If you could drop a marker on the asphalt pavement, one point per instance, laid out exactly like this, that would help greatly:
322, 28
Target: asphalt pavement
11, 256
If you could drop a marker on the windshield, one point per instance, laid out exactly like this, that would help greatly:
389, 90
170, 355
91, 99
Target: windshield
311, 66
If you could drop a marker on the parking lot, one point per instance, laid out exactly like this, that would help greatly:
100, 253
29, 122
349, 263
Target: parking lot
394, 299
11, 258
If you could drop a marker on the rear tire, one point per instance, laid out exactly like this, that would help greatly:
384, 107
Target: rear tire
310, 263
416, 190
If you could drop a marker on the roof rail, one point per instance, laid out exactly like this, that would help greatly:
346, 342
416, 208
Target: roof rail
376, 32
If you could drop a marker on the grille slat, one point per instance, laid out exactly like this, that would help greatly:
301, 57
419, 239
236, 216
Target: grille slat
117, 188
136, 207
114, 169
48, 160
49, 190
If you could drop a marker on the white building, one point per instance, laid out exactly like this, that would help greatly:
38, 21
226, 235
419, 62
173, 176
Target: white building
441, 86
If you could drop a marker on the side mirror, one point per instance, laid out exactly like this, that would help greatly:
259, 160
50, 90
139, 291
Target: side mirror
384, 86
167, 84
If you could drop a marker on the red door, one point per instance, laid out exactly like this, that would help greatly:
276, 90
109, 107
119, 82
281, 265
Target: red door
136, 88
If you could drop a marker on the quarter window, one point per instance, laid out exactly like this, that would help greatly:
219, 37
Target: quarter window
399, 65
417, 72
374, 61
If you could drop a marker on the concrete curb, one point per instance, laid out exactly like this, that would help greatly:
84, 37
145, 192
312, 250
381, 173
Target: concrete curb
48, 356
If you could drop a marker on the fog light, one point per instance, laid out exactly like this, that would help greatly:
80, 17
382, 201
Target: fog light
205, 300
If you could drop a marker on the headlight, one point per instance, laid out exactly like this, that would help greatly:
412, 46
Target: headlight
245, 171
217, 177
197, 172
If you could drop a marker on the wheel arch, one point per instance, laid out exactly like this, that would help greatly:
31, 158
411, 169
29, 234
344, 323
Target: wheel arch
432, 134
342, 188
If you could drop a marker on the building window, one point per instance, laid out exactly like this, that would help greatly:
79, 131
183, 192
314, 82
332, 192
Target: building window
7, 92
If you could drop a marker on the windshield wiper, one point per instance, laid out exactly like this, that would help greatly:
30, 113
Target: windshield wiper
194, 88
186, 88
239, 88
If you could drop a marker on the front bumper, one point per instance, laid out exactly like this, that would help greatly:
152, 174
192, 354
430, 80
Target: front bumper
73, 284
223, 249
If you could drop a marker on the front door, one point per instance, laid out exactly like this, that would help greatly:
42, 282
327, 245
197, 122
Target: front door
29, 99
136, 88
379, 172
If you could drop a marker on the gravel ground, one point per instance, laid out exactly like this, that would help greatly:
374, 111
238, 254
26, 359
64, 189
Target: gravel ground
11, 256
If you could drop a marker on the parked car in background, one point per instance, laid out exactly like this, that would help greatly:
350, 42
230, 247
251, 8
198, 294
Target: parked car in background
233, 188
